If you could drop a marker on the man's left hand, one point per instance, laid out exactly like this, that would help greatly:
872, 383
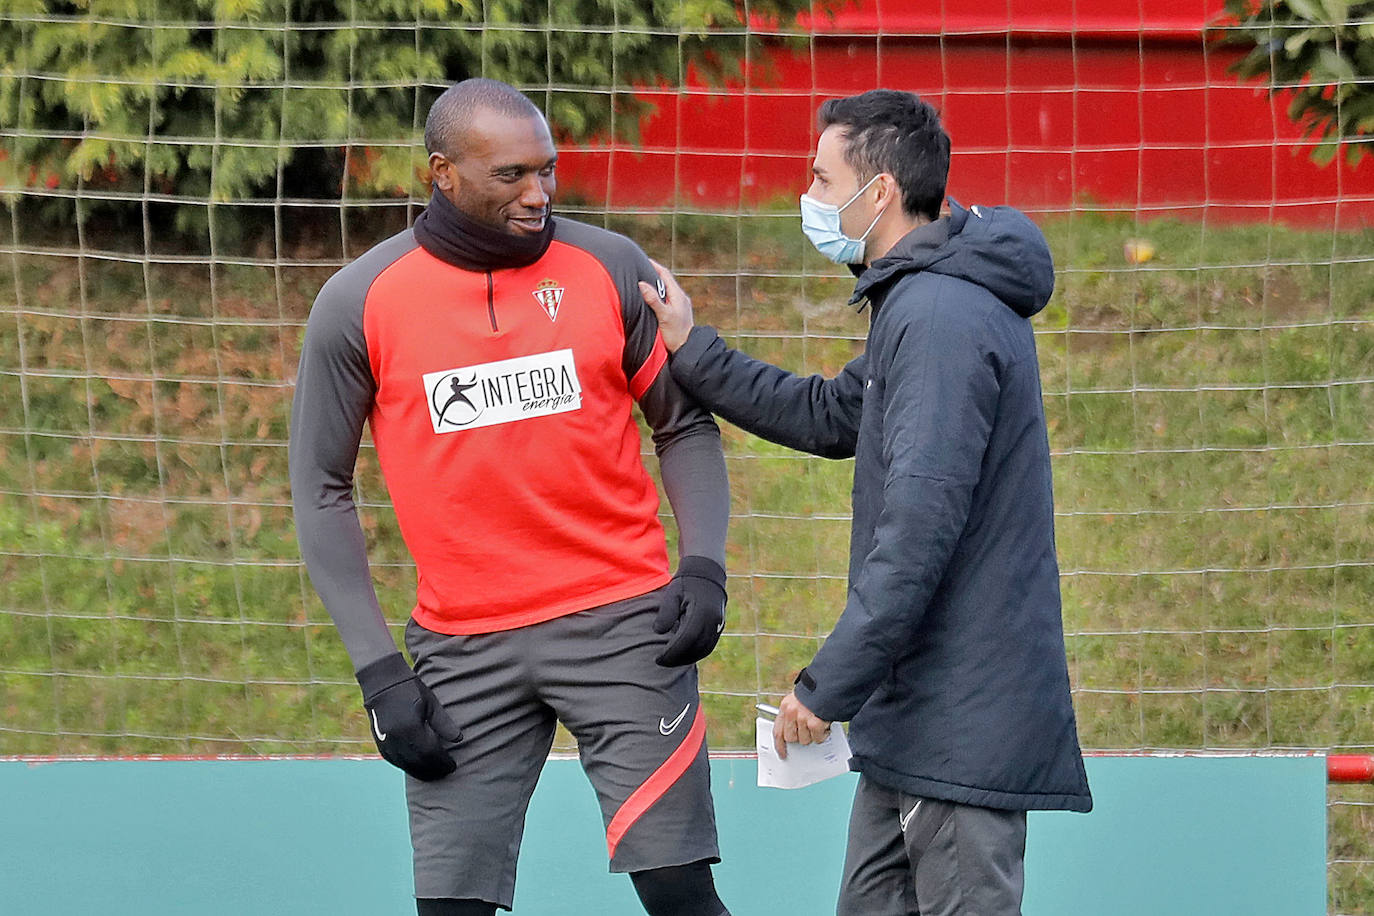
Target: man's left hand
797, 724
694, 604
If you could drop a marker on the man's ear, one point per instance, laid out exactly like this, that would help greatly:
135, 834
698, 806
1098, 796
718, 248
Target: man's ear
442, 172
888, 191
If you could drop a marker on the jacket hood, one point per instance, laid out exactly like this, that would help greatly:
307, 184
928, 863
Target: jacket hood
997, 248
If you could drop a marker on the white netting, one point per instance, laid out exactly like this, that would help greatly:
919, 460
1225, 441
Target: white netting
1208, 367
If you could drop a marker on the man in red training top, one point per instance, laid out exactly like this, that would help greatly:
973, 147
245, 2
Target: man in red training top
496, 351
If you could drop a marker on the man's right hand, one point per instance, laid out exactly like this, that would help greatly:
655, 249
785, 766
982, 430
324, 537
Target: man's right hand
410, 726
673, 307
795, 724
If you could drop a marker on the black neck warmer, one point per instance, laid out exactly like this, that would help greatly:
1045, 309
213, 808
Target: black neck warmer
456, 238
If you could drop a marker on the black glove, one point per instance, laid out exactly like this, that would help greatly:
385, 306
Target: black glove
694, 602
411, 728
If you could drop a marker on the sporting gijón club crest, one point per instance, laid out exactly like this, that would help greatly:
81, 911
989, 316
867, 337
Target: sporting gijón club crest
549, 295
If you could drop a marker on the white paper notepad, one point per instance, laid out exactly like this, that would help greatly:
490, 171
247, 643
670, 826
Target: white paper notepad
806, 764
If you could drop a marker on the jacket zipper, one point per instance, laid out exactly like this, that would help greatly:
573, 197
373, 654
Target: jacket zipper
491, 304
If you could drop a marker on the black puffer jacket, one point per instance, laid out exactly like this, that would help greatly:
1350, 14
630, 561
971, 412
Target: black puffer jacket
948, 659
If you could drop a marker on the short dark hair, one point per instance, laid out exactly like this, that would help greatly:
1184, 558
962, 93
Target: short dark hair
459, 104
886, 130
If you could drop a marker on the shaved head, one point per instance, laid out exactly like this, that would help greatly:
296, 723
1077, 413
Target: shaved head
492, 157
453, 112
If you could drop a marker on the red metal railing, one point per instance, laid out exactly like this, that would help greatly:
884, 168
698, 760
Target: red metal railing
1349, 768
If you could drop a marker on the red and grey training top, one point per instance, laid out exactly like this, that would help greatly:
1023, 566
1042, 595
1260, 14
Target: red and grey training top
500, 403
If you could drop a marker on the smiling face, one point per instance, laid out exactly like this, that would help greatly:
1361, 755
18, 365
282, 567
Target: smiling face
503, 174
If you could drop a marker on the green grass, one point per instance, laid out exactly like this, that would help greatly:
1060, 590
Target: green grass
1211, 412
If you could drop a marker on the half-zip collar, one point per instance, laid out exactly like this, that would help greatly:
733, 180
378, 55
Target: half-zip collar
491, 302
455, 238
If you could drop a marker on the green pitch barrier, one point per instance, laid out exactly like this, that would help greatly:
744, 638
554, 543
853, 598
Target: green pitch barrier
1216, 835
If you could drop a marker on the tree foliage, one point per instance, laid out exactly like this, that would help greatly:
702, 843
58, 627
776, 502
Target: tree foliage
1320, 51
231, 99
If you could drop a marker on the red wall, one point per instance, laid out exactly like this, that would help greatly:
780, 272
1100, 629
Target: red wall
1050, 104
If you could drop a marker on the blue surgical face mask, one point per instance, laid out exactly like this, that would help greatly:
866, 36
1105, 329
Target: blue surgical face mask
821, 224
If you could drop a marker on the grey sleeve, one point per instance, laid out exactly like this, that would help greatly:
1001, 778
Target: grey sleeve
812, 414
692, 465
686, 438
334, 391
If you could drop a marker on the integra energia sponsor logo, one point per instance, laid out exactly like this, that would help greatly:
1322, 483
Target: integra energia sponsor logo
470, 397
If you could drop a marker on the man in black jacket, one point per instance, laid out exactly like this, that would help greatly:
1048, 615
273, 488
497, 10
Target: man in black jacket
948, 659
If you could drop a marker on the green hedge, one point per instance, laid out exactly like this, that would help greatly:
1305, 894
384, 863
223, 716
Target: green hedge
216, 100
1321, 52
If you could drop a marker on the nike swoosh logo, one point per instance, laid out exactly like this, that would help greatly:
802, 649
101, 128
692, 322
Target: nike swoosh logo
377, 729
909, 815
668, 728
